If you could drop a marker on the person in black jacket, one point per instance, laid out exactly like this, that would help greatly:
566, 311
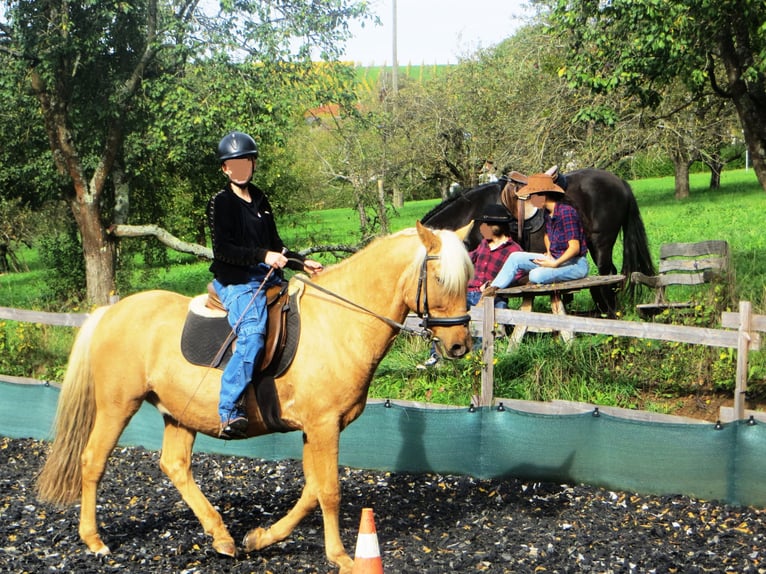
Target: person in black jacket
248, 256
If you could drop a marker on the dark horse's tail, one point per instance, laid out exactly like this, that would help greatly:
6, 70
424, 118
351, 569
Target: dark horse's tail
635, 250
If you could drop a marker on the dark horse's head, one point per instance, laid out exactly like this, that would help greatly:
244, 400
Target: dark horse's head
461, 208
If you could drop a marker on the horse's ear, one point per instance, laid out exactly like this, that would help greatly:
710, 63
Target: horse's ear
463, 232
428, 237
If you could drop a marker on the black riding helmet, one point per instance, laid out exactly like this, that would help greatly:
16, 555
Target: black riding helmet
235, 145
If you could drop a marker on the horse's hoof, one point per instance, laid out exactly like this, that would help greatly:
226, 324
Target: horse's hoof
96, 545
225, 548
346, 565
254, 540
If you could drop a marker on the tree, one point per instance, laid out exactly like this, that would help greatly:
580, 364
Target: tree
86, 63
16, 228
642, 46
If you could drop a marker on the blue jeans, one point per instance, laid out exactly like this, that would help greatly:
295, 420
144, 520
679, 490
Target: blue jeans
575, 268
474, 296
247, 315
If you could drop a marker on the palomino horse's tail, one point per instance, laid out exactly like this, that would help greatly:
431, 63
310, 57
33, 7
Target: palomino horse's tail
635, 245
60, 480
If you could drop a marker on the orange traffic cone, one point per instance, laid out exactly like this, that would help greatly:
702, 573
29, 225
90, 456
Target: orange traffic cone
367, 554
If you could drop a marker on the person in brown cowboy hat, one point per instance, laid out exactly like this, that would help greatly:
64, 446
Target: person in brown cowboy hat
488, 258
566, 249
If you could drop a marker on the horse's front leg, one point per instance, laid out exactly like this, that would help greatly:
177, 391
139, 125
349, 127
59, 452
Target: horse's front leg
320, 468
175, 462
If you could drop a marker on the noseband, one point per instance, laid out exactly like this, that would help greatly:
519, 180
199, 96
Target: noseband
424, 313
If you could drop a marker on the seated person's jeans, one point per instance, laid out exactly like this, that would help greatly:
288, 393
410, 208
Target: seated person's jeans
575, 268
474, 296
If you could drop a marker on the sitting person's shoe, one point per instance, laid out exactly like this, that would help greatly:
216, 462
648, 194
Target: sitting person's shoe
490, 291
431, 361
234, 427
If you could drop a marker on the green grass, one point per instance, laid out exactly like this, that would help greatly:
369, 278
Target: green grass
341, 225
733, 213
368, 76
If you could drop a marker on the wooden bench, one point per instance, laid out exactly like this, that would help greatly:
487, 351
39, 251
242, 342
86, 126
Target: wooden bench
555, 291
683, 264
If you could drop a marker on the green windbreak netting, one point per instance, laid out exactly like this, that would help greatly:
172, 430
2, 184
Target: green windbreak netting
698, 460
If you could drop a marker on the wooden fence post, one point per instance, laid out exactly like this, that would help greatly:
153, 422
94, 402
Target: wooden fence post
743, 349
488, 353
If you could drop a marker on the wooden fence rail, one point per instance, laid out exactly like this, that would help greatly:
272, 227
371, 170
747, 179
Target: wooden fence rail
740, 331
745, 338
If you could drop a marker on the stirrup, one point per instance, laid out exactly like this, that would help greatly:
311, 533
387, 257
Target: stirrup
232, 429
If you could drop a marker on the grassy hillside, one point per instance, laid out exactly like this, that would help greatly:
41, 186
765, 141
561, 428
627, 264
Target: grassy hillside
368, 76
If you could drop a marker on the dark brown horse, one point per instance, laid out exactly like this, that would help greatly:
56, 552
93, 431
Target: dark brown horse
606, 202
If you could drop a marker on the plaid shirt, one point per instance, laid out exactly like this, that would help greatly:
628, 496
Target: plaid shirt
561, 227
487, 262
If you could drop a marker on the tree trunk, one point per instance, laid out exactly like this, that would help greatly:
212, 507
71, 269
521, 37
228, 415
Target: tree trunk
749, 99
364, 221
121, 195
98, 251
716, 167
681, 162
753, 121
398, 199
381, 207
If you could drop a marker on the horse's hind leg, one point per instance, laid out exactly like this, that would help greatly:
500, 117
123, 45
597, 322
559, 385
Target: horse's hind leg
175, 462
600, 248
107, 429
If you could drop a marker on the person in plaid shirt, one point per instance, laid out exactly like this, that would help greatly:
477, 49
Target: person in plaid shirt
488, 258
490, 255
566, 248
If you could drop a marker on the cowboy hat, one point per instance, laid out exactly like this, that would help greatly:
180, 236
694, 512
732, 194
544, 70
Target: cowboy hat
538, 183
494, 213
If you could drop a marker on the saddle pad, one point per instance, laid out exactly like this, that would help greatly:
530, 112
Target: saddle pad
203, 337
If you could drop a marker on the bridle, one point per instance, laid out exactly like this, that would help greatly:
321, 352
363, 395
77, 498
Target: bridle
424, 313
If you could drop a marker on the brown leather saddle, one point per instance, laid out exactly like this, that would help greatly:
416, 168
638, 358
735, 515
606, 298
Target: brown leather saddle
523, 210
208, 340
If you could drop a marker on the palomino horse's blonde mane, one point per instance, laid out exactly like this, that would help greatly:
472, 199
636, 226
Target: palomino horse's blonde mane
456, 266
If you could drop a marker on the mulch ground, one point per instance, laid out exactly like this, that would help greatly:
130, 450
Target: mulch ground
425, 523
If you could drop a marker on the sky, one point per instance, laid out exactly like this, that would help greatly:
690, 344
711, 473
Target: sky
434, 31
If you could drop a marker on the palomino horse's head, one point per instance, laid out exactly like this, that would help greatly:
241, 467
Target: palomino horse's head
443, 269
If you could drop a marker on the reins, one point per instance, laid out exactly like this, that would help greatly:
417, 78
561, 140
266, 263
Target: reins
427, 320
425, 333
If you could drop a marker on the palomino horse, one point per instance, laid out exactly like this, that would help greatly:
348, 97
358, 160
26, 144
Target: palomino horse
606, 203
130, 353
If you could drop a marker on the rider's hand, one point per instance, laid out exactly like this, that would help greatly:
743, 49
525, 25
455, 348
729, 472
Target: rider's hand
312, 266
275, 259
